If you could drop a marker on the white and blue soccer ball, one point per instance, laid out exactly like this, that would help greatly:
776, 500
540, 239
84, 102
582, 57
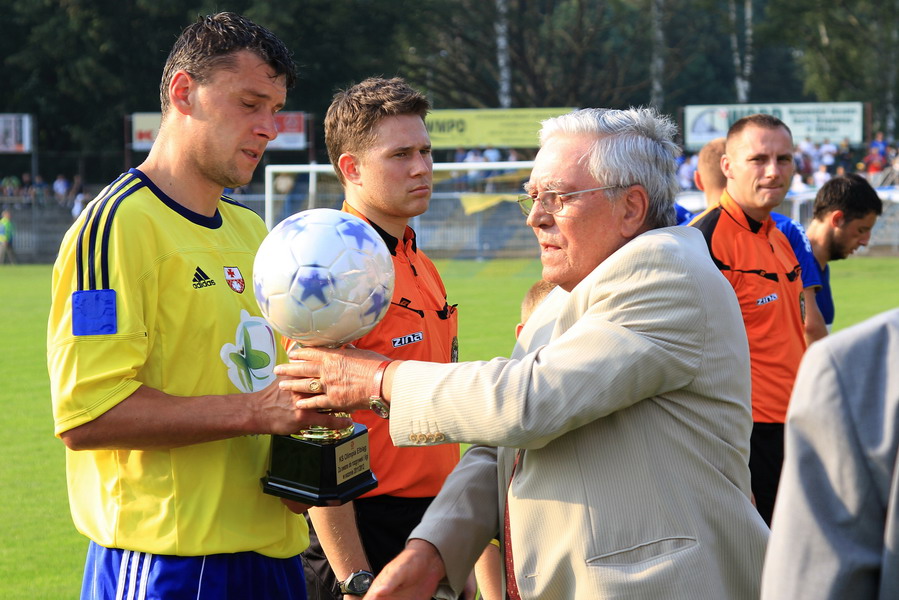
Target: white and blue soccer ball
323, 277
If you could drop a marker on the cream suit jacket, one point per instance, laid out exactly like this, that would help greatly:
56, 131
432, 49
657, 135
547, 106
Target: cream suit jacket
629, 399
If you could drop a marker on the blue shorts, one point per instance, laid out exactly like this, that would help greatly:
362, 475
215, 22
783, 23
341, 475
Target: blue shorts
110, 573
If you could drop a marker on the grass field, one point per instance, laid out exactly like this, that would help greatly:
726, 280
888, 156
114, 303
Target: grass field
41, 553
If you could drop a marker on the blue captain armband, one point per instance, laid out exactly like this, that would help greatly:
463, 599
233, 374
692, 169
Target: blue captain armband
94, 312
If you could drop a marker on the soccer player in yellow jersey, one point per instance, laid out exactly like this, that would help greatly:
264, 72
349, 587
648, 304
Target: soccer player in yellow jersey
160, 363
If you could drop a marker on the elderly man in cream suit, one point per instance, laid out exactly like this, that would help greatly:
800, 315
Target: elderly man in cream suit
622, 419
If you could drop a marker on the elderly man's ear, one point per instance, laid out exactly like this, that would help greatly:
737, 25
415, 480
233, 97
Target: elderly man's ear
634, 207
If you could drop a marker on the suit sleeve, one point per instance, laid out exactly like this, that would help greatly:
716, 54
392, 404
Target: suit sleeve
464, 517
827, 529
631, 331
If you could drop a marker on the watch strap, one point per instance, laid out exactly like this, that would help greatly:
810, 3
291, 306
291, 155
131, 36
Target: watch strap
375, 398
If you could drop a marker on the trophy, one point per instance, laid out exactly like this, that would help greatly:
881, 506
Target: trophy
322, 277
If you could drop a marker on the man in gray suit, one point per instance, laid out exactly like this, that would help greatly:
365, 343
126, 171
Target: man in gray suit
622, 419
836, 522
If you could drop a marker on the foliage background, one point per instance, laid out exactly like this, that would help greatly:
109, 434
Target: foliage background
81, 66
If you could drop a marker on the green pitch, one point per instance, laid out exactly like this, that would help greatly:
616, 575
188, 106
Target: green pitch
41, 554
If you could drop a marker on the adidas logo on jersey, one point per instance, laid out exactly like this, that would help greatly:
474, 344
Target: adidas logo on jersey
201, 279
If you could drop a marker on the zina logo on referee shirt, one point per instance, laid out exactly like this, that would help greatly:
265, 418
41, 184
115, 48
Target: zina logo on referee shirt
409, 338
201, 279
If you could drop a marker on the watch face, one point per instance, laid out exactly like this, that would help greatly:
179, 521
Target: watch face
359, 583
377, 406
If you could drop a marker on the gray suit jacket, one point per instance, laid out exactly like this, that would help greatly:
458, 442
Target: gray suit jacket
629, 398
835, 531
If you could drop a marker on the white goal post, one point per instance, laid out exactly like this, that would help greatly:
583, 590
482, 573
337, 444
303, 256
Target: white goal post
473, 211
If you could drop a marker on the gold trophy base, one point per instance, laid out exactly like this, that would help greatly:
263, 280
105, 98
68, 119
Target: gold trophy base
320, 473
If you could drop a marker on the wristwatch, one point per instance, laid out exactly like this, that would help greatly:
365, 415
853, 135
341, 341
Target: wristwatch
357, 583
376, 402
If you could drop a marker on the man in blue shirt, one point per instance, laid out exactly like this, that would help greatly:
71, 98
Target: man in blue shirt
815, 327
846, 209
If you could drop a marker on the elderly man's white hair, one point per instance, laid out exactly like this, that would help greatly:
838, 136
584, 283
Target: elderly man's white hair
633, 146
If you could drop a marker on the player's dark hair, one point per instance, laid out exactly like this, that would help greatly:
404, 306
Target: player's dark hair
851, 194
759, 120
354, 113
211, 43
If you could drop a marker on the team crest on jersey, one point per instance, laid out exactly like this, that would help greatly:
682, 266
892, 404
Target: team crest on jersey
235, 279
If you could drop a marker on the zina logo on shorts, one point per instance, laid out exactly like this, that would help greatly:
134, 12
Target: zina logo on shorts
201, 279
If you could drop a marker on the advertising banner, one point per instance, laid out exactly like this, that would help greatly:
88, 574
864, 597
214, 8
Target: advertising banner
497, 127
15, 133
817, 121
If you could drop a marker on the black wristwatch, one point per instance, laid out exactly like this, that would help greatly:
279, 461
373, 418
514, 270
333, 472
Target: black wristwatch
357, 583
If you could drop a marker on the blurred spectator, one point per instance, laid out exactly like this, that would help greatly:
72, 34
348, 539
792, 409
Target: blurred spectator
797, 185
9, 186
39, 190
821, 176
76, 190
874, 161
685, 173
474, 156
806, 147
828, 154
77, 206
879, 144
513, 155
61, 189
845, 155
806, 165
7, 232
26, 190
491, 154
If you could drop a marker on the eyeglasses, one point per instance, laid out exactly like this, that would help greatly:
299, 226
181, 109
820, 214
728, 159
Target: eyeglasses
551, 201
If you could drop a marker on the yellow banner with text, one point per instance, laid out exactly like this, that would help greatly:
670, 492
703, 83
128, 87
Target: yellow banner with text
497, 127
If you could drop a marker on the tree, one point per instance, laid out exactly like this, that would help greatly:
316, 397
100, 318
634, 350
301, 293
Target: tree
657, 66
81, 66
561, 53
847, 51
742, 57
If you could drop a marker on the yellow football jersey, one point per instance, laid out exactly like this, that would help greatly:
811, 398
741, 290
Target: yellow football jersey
146, 292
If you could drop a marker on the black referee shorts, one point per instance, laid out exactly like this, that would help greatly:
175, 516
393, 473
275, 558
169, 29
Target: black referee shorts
766, 457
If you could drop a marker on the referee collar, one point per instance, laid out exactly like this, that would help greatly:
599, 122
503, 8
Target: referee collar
392, 243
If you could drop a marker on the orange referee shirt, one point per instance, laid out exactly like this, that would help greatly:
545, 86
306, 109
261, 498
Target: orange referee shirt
757, 260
